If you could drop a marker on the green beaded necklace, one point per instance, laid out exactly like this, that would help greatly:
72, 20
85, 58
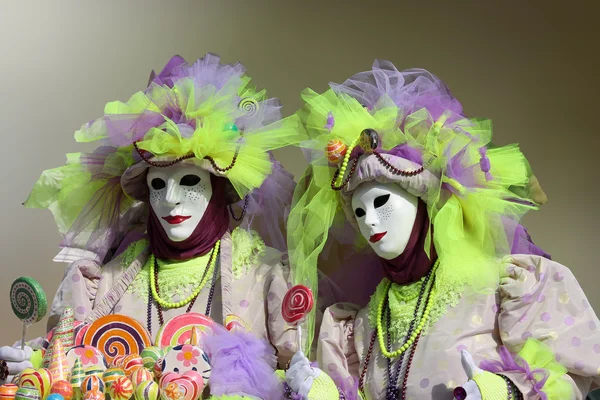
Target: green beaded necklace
167, 304
423, 320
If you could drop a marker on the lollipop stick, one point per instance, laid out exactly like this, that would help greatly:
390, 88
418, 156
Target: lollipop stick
299, 337
23, 337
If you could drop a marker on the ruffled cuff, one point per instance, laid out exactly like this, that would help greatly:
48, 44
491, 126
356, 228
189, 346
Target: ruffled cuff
535, 365
323, 388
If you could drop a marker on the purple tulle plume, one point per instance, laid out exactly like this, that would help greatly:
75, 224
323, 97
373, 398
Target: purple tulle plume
410, 90
242, 364
268, 207
165, 77
348, 387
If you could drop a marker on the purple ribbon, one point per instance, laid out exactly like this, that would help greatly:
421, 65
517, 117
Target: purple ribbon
484, 163
330, 121
508, 363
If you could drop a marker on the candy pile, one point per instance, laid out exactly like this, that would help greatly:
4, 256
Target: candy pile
113, 358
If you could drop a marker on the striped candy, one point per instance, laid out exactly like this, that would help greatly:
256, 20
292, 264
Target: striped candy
336, 150
140, 375
131, 363
91, 383
41, 380
150, 355
27, 393
111, 375
121, 389
63, 388
8, 391
147, 390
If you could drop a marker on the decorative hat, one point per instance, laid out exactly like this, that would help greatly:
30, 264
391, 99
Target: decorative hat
407, 128
204, 113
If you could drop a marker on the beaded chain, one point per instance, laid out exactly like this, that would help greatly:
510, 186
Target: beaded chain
394, 170
412, 334
244, 208
153, 281
338, 181
424, 317
165, 164
154, 292
513, 392
392, 389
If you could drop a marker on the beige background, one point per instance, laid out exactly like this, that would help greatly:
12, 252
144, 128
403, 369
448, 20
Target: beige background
530, 66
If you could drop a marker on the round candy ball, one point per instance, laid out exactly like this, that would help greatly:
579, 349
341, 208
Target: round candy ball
111, 374
121, 389
91, 383
150, 355
147, 390
40, 379
8, 391
63, 388
131, 363
27, 393
140, 375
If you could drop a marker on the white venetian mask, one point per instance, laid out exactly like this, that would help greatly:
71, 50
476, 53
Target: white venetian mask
386, 214
179, 196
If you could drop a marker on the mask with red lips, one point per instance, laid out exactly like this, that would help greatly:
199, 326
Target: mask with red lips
179, 197
385, 214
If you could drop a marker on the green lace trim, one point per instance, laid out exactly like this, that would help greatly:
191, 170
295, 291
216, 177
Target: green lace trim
247, 248
178, 279
403, 300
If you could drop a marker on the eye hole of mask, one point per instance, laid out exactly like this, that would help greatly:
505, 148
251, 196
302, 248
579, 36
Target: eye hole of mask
190, 180
381, 200
359, 212
158, 184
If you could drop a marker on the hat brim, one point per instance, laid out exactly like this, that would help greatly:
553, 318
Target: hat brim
133, 180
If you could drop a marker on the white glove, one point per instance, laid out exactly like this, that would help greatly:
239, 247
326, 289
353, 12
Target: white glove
473, 392
300, 376
16, 359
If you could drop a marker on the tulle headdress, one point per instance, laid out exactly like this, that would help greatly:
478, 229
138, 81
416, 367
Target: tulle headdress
406, 128
205, 113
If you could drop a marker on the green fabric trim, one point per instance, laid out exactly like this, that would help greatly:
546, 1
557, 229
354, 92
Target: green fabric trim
176, 279
247, 248
491, 386
403, 300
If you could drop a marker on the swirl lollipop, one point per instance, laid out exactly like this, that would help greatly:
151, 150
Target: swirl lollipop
28, 301
296, 304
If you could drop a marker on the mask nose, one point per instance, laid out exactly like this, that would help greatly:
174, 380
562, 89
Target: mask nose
371, 218
174, 193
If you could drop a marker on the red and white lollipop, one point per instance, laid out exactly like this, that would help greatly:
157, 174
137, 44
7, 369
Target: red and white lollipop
297, 303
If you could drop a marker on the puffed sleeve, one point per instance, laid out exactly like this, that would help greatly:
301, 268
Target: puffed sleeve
541, 299
336, 352
282, 335
78, 290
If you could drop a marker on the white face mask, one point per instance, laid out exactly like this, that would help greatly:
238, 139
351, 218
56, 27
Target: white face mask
386, 214
179, 196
